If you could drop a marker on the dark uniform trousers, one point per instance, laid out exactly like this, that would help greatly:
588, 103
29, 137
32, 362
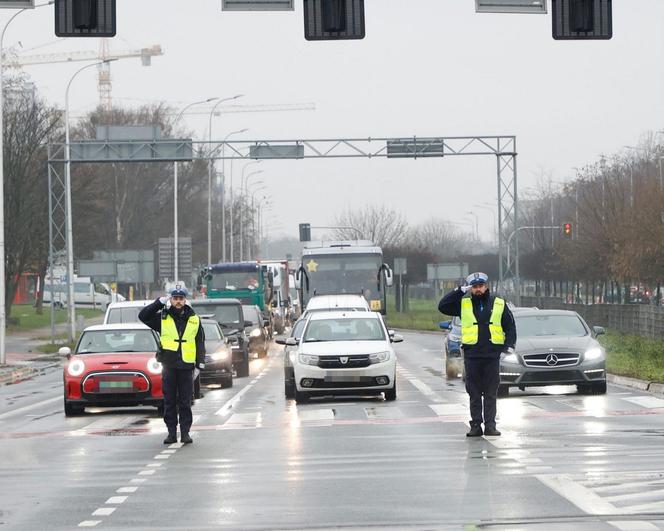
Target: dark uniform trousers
482, 380
178, 387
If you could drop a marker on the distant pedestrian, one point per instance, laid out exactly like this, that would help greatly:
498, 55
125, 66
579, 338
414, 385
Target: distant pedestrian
182, 348
487, 330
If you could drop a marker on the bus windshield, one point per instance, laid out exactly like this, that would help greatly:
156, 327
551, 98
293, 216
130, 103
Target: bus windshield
342, 273
234, 280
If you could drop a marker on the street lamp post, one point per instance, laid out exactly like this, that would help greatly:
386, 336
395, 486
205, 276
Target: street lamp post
243, 190
3, 308
232, 199
253, 193
477, 225
69, 234
490, 208
176, 272
210, 170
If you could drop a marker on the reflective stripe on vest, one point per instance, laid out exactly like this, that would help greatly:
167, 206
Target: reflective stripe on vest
470, 329
171, 340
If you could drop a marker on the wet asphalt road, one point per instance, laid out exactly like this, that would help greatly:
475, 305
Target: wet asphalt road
565, 461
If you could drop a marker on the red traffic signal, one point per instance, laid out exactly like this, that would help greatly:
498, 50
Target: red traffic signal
567, 230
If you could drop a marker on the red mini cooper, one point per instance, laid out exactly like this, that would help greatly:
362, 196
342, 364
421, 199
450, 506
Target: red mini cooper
113, 365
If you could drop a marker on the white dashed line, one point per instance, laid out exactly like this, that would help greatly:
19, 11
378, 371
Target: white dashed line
155, 465
116, 500
169, 451
161, 456
225, 409
104, 511
89, 523
137, 480
123, 490
146, 472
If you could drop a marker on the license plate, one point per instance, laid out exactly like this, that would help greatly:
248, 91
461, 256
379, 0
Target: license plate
115, 385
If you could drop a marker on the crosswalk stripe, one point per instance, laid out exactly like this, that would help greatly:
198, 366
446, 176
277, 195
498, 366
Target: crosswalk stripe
646, 401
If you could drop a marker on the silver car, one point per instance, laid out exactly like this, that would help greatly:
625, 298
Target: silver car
554, 347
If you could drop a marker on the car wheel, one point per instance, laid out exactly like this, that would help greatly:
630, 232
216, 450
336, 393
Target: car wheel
451, 370
71, 410
289, 389
243, 367
583, 389
503, 391
598, 388
391, 394
300, 397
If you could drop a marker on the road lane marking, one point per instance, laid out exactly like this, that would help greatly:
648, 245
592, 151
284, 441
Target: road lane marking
155, 464
574, 492
122, 490
146, 472
104, 511
443, 410
634, 525
161, 456
116, 500
137, 480
89, 523
646, 401
223, 410
384, 413
31, 406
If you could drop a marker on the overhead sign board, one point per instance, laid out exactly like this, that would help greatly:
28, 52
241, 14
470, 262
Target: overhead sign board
511, 6
414, 147
447, 271
137, 151
257, 5
294, 151
17, 4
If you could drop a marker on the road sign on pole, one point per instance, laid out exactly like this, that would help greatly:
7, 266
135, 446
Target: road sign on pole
400, 266
17, 4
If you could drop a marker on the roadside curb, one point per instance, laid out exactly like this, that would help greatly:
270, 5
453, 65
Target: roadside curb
10, 375
635, 383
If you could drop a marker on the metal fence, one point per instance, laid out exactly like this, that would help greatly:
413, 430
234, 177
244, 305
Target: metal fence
637, 319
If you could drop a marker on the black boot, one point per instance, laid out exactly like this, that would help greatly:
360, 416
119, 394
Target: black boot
172, 438
185, 438
475, 431
491, 431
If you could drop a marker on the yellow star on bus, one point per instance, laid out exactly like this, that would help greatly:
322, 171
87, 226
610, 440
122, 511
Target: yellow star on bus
312, 266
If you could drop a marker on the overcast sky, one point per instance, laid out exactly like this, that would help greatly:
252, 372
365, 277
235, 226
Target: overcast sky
425, 68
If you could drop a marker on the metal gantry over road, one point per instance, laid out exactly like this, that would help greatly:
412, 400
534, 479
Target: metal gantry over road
503, 148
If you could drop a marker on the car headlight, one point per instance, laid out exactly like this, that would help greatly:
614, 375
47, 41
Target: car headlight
306, 359
76, 367
509, 358
154, 367
379, 357
219, 356
256, 332
593, 353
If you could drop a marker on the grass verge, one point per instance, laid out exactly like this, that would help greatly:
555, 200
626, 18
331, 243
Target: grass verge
422, 315
29, 319
634, 356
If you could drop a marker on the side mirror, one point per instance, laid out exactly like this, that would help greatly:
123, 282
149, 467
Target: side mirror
396, 338
64, 351
280, 341
389, 277
599, 330
445, 325
291, 342
248, 323
391, 332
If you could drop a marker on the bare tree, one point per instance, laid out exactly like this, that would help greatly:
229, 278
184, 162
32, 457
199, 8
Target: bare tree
381, 224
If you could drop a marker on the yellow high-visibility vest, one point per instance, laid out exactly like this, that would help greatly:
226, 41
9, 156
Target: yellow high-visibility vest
470, 328
171, 340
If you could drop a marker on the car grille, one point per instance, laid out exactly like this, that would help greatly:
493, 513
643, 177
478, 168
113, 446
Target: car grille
336, 362
551, 359
363, 381
551, 377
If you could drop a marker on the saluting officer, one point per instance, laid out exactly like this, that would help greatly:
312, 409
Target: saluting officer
181, 350
487, 329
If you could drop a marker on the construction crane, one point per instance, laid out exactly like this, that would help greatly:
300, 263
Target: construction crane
104, 73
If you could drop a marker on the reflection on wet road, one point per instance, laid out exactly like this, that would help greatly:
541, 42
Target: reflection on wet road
262, 462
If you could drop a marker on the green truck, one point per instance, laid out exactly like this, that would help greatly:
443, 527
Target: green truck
250, 282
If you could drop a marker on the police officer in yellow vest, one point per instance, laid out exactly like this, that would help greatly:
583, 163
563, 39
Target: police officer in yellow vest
487, 329
182, 349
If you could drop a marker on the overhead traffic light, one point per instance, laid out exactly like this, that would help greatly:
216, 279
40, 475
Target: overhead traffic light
567, 230
305, 232
85, 18
333, 19
581, 19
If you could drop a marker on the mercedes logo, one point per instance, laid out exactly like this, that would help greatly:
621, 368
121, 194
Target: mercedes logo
551, 359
